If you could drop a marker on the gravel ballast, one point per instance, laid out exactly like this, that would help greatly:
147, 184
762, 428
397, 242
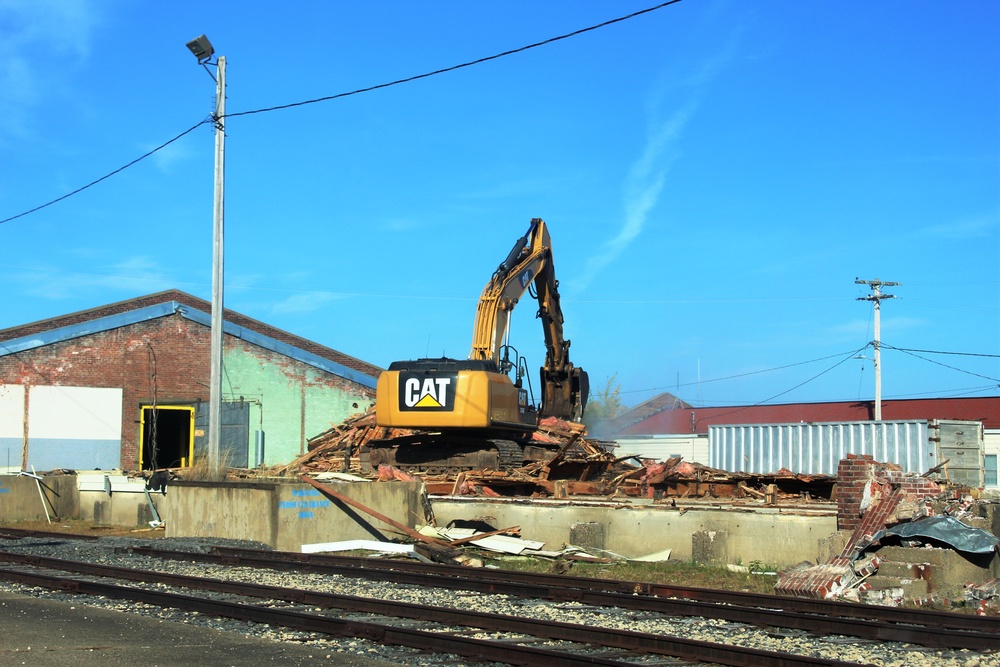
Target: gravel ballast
112, 551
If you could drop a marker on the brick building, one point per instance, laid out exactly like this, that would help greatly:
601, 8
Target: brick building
126, 385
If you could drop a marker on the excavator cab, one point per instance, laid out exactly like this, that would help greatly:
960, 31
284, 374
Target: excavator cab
452, 394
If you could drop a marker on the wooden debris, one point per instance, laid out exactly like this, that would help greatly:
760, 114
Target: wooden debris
442, 553
559, 451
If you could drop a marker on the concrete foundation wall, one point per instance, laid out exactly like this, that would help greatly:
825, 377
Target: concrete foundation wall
286, 516
119, 509
764, 535
231, 510
20, 499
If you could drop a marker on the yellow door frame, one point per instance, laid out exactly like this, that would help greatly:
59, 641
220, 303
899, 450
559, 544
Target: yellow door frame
185, 460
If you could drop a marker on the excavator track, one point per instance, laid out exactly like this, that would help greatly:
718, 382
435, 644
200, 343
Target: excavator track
438, 454
511, 454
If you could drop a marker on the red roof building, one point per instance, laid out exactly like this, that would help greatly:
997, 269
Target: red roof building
675, 417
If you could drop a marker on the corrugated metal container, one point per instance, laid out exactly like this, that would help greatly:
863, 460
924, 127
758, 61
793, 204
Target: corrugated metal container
817, 448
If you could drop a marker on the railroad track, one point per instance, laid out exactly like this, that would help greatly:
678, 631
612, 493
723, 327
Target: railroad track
512, 639
917, 626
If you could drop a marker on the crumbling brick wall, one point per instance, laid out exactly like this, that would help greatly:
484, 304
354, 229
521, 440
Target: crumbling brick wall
870, 492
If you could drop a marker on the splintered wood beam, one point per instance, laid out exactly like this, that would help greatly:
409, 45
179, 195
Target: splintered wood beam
336, 495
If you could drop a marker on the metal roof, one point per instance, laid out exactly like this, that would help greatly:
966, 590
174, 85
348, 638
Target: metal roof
697, 420
45, 337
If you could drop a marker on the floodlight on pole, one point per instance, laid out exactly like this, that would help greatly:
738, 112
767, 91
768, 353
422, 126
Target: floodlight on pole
201, 48
203, 51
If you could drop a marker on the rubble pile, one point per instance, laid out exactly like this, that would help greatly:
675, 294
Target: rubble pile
564, 462
562, 450
338, 448
910, 538
676, 478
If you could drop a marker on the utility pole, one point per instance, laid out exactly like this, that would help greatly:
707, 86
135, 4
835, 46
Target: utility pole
215, 395
203, 51
876, 297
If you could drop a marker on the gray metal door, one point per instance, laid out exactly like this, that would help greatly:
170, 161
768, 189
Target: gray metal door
235, 445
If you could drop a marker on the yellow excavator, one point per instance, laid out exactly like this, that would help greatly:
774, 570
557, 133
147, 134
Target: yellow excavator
470, 413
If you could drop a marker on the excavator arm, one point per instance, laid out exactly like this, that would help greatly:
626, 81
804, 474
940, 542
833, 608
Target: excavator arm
531, 255
564, 387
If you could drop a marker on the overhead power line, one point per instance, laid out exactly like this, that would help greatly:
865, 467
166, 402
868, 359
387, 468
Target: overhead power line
109, 175
358, 91
740, 375
959, 354
846, 358
445, 70
938, 363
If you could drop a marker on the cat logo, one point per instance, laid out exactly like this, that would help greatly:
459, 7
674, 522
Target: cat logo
424, 392
525, 277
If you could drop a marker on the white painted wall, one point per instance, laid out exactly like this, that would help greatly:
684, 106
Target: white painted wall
11, 426
661, 447
74, 427
84, 413
11, 411
991, 445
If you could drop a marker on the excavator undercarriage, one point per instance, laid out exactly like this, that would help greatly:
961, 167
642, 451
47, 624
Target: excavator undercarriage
437, 453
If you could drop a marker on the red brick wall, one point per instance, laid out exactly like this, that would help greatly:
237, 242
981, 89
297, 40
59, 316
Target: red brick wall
854, 472
852, 475
198, 304
170, 353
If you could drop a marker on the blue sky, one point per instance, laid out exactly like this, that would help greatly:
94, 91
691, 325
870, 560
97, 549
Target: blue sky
715, 175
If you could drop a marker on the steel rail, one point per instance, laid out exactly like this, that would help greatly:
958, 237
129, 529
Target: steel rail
803, 605
757, 616
19, 533
829, 608
637, 642
308, 622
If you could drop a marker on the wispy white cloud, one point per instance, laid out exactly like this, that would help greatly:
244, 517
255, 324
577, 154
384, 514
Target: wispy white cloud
896, 324
400, 224
168, 156
135, 274
964, 229
303, 303
59, 30
647, 175
644, 184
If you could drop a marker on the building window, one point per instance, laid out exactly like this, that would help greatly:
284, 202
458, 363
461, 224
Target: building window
990, 468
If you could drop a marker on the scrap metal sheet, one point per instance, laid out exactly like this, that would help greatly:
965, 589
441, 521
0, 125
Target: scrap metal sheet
946, 529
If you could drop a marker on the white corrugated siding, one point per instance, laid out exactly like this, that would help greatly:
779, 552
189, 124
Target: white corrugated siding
660, 448
817, 448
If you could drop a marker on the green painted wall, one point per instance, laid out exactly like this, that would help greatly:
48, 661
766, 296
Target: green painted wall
289, 400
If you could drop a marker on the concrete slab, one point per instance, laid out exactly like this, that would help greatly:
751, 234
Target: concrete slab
51, 633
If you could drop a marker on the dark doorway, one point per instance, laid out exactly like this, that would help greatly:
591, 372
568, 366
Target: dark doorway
167, 437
